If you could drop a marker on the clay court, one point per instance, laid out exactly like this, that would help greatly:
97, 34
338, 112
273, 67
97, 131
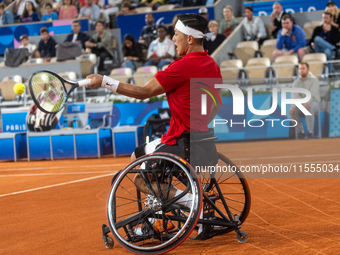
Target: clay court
58, 207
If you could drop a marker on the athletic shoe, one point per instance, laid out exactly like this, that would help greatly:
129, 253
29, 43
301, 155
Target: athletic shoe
158, 226
310, 135
301, 135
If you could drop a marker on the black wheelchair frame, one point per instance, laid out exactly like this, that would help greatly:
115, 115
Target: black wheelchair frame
223, 210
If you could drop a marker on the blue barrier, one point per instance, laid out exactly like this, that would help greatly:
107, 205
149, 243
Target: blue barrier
289, 6
334, 119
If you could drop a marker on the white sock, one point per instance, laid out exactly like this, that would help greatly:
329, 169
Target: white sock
186, 200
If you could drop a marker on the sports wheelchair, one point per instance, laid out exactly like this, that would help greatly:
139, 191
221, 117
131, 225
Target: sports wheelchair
154, 223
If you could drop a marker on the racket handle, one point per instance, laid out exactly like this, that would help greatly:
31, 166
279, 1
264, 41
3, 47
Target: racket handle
84, 82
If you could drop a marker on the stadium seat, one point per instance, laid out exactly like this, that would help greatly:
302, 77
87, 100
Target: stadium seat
116, 56
246, 50
34, 47
268, 31
144, 74
257, 70
143, 9
121, 74
309, 26
72, 76
34, 61
317, 64
6, 89
285, 68
88, 62
230, 70
166, 7
34, 50
268, 48
17, 78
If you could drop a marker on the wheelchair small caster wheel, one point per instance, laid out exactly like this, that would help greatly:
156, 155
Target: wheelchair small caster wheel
109, 243
242, 237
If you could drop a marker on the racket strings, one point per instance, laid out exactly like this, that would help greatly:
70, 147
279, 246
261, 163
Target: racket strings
49, 91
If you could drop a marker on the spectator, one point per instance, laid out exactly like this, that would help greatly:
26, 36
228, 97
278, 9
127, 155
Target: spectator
46, 46
68, 10
203, 11
30, 13
20, 6
133, 53
149, 31
276, 18
25, 44
81, 4
212, 43
325, 38
333, 9
307, 81
291, 39
77, 35
50, 14
253, 27
108, 7
5, 16
229, 23
154, 4
90, 11
126, 9
161, 51
100, 44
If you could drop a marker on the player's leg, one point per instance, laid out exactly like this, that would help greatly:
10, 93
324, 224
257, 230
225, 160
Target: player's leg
314, 109
299, 126
301, 53
277, 53
140, 181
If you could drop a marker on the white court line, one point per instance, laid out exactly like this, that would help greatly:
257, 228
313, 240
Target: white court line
56, 185
42, 174
278, 157
58, 167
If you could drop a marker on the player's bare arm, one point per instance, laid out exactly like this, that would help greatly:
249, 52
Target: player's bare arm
150, 89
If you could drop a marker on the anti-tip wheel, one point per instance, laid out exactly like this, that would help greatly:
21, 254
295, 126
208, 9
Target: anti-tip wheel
242, 237
109, 243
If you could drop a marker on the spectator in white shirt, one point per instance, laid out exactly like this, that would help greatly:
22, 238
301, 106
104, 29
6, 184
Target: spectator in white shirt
25, 44
161, 50
108, 7
253, 27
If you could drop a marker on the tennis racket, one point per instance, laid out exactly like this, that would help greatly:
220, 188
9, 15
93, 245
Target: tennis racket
49, 92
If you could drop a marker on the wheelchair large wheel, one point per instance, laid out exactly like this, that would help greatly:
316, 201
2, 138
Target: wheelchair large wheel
228, 185
156, 222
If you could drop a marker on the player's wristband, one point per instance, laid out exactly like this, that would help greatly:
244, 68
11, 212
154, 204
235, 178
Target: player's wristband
110, 83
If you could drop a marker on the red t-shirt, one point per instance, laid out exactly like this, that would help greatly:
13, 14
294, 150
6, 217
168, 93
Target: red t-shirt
185, 99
